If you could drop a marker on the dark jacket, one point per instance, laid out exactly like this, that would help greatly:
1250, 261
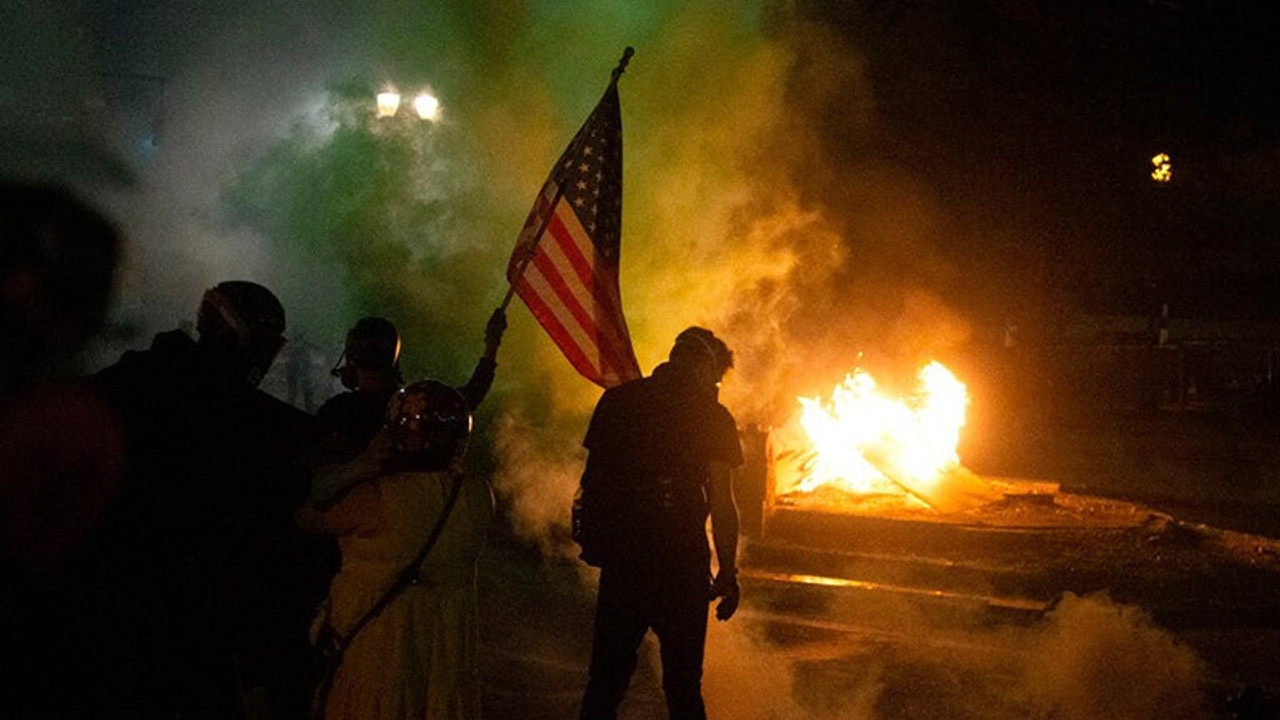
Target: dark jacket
149, 608
643, 492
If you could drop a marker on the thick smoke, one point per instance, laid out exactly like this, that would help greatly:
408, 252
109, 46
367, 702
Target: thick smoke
1087, 658
538, 482
1099, 659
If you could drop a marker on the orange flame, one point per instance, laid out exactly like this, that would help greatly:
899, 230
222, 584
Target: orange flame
865, 441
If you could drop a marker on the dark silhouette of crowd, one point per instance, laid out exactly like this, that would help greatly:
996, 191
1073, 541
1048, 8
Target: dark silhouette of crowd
155, 512
177, 543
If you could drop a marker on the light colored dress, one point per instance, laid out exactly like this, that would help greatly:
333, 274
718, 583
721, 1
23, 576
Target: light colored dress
418, 659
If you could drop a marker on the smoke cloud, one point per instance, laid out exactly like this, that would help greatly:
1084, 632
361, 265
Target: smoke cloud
1087, 658
1097, 659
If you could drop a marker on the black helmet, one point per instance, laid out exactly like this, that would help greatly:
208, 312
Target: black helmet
374, 344
244, 321
429, 423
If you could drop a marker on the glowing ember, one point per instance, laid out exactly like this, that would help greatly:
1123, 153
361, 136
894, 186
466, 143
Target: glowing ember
865, 441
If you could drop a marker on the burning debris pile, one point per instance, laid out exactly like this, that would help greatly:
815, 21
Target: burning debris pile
866, 491
865, 451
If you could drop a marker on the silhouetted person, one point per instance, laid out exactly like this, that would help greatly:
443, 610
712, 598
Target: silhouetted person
155, 598
370, 370
340, 434
57, 266
660, 453
415, 658
61, 451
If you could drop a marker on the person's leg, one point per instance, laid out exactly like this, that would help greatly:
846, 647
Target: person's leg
620, 625
681, 627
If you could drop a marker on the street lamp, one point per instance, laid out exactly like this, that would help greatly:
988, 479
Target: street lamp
388, 103
425, 104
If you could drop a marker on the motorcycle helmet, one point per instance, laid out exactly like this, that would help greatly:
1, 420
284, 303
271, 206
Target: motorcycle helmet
429, 423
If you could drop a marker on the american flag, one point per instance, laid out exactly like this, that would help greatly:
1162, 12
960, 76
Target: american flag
570, 281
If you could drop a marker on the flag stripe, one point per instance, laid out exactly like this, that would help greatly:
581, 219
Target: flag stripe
580, 310
569, 307
547, 318
598, 276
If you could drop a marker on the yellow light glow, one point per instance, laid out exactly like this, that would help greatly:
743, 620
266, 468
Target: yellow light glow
388, 103
1163, 171
427, 106
867, 441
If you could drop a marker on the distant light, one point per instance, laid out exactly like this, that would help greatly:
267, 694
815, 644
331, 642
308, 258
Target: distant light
1163, 171
388, 103
427, 106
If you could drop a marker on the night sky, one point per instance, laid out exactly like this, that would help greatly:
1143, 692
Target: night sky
1036, 122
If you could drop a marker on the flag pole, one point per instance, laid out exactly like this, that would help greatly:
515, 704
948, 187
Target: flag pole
533, 246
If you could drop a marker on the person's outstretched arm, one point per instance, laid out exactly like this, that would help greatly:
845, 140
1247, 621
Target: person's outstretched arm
482, 377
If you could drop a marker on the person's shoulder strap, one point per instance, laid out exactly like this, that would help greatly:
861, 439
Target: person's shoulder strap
407, 576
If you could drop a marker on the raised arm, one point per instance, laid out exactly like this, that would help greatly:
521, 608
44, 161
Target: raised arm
482, 377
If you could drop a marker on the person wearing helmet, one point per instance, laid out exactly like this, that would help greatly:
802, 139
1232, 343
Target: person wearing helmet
205, 474
403, 608
660, 452
341, 454
369, 369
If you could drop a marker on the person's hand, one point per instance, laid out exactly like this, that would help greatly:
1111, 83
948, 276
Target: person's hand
725, 587
493, 331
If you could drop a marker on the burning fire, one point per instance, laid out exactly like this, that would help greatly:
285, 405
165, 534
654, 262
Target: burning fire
863, 440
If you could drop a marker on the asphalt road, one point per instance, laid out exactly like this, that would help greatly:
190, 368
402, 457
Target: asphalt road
799, 650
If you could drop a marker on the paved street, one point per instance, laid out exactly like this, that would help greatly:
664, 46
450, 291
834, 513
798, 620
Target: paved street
873, 653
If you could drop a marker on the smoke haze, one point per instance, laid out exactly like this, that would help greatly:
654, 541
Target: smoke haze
257, 155
1087, 658
761, 199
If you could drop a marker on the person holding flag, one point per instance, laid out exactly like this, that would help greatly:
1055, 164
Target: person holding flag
660, 448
